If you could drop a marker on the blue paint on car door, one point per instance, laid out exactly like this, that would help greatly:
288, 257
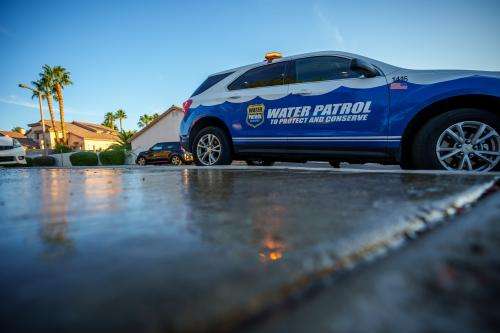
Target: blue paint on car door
346, 111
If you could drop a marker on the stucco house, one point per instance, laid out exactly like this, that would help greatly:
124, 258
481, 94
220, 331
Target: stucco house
21, 137
81, 135
162, 129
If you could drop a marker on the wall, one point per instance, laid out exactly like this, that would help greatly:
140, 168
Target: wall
75, 142
50, 135
167, 129
89, 144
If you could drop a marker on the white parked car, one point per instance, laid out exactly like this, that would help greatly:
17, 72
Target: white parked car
11, 151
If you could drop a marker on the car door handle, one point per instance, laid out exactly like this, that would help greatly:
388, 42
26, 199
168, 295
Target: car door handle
234, 97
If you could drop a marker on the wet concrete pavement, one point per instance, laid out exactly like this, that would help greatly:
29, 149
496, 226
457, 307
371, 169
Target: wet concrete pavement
447, 281
174, 249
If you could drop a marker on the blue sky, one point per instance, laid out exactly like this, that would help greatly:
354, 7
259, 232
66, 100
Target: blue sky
143, 56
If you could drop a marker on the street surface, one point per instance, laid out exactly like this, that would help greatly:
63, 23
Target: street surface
196, 249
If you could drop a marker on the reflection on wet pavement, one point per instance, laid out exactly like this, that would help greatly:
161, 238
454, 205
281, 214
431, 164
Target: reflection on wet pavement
157, 249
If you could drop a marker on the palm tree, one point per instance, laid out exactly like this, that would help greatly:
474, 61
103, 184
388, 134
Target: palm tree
45, 89
120, 115
59, 78
123, 140
109, 120
144, 120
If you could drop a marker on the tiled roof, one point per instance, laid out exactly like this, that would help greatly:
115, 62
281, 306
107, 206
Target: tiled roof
13, 134
26, 142
173, 108
83, 130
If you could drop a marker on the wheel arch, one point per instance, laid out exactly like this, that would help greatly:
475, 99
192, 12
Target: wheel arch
485, 102
208, 121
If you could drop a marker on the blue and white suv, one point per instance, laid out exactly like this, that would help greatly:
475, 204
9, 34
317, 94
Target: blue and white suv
337, 106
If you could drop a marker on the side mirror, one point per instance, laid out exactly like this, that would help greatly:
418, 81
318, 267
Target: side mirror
361, 66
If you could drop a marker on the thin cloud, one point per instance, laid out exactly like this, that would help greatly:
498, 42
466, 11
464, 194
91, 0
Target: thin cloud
331, 29
14, 100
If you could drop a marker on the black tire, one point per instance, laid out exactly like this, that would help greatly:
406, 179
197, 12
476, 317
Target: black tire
141, 161
176, 160
335, 164
225, 157
260, 162
423, 150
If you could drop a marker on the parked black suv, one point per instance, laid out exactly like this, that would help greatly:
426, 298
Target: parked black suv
165, 152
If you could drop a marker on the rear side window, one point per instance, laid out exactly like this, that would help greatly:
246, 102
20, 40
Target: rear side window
323, 69
263, 76
210, 82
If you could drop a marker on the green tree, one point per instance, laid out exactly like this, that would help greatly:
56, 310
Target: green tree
120, 115
58, 78
18, 129
124, 140
144, 120
109, 120
45, 89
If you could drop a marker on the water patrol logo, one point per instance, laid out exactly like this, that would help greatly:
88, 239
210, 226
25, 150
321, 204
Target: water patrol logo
320, 114
255, 115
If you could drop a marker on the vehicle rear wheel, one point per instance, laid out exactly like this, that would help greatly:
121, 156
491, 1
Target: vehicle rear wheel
260, 162
141, 161
175, 160
459, 140
211, 147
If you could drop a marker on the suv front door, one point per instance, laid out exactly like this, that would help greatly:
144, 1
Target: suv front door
256, 93
158, 153
346, 111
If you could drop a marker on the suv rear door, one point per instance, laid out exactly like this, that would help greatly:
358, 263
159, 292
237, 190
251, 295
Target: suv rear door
347, 111
254, 93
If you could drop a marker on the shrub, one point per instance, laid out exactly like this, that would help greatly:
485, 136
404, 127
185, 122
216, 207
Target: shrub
43, 161
112, 157
61, 149
83, 158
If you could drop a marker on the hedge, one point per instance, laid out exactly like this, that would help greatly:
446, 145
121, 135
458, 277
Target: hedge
112, 157
43, 161
83, 158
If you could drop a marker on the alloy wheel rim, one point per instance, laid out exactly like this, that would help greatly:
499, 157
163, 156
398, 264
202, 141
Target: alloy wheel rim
208, 149
468, 146
142, 161
176, 160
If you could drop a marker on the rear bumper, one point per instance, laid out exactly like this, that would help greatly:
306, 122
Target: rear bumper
187, 157
184, 140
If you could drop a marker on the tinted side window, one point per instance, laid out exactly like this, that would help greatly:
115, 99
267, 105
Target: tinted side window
263, 76
156, 147
323, 69
210, 82
172, 146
